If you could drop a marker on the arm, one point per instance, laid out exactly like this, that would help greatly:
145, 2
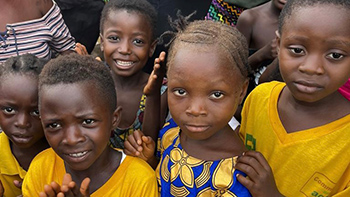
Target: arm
152, 117
260, 181
268, 52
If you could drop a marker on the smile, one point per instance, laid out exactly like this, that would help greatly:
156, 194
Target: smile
79, 154
124, 63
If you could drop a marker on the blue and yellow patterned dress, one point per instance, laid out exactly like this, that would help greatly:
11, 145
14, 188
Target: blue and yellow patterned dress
182, 175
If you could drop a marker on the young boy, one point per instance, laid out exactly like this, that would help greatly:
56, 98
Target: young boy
77, 104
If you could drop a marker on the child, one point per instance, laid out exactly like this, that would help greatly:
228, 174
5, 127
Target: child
33, 26
302, 126
207, 80
77, 103
127, 41
23, 136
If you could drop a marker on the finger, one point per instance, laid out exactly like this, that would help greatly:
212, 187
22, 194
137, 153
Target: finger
260, 158
138, 136
17, 183
42, 194
248, 170
148, 141
67, 178
129, 149
74, 188
56, 187
245, 181
48, 191
84, 187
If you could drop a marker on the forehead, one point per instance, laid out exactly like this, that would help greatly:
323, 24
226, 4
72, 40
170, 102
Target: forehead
17, 84
318, 21
207, 65
128, 18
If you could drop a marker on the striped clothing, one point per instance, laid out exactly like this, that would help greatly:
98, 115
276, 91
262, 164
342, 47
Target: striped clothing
41, 37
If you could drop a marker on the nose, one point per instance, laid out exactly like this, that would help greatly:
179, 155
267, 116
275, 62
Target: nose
196, 107
312, 65
23, 120
73, 135
124, 47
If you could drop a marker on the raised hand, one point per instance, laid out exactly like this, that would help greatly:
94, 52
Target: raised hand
81, 49
70, 189
260, 180
156, 77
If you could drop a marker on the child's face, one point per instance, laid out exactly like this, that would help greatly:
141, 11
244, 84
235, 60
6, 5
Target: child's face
314, 51
19, 117
77, 123
203, 94
127, 42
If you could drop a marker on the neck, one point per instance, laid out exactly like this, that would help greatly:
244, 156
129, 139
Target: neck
131, 81
275, 11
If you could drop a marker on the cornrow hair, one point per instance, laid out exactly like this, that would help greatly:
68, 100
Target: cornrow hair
27, 64
207, 35
74, 68
294, 5
139, 6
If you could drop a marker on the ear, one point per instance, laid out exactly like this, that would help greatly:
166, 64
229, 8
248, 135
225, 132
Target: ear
278, 39
101, 42
244, 90
153, 47
117, 114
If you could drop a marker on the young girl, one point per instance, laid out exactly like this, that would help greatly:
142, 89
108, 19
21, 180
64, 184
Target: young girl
33, 26
77, 103
127, 41
22, 137
302, 126
207, 80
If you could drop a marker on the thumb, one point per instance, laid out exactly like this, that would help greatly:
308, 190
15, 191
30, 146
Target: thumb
84, 187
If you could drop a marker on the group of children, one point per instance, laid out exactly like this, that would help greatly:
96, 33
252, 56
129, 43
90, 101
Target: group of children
63, 121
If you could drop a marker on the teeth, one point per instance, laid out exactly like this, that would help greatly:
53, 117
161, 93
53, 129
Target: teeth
78, 154
124, 63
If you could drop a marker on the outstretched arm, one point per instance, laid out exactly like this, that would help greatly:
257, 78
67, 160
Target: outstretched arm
260, 181
152, 116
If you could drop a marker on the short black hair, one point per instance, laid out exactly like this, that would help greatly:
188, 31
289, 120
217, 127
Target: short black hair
292, 5
139, 6
27, 64
74, 68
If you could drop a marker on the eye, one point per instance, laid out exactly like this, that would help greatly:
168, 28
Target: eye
53, 125
9, 110
297, 51
180, 92
88, 121
217, 95
138, 42
335, 56
113, 38
35, 113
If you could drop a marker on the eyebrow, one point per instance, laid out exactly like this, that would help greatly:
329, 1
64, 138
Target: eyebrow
339, 42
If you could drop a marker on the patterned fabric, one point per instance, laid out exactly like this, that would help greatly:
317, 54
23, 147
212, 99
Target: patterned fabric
119, 135
220, 10
41, 37
179, 174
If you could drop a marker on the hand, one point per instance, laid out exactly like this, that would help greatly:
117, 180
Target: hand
80, 49
69, 187
139, 145
156, 77
270, 50
18, 184
260, 181
2, 191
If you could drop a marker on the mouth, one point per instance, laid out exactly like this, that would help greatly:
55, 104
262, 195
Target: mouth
22, 139
124, 64
307, 87
78, 154
197, 128
283, 1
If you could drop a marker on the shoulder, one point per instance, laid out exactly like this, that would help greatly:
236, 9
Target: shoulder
45, 5
45, 158
266, 88
138, 168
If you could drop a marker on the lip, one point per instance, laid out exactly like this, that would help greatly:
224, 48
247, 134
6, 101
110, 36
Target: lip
197, 128
282, 1
307, 87
76, 156
124, 64
21, 139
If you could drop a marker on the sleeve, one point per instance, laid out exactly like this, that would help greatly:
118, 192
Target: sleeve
62, 40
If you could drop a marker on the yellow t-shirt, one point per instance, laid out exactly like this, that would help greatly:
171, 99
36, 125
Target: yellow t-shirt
10, 169
312, 162
134, 177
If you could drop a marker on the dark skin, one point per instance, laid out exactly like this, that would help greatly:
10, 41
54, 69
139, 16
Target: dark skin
258, 25
15, 11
